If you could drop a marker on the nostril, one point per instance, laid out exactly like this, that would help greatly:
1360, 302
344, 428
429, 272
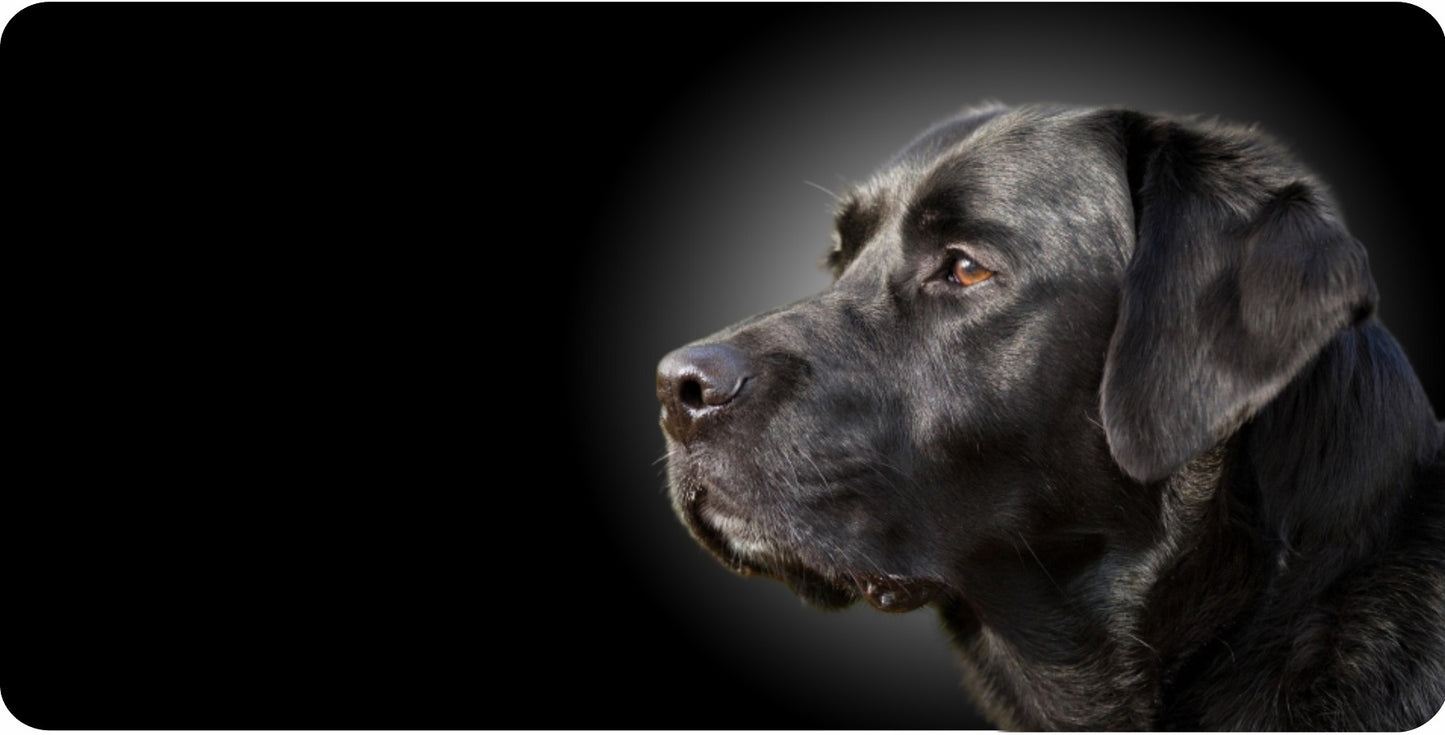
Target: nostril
691, 394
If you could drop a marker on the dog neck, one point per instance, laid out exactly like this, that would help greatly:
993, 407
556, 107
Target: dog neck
1070, 632
1335, 454
1053, 632
1322, 480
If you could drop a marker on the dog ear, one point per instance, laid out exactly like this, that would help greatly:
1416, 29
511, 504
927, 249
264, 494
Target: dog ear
1241, 273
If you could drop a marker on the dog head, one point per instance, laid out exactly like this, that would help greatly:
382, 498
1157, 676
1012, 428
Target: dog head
1037, 315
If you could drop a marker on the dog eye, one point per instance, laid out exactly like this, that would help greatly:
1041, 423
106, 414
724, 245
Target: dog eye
965, 272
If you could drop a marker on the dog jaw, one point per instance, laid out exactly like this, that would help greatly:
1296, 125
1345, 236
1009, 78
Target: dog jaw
744, 547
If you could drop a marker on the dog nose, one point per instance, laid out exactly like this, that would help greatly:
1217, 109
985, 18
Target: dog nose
695, 382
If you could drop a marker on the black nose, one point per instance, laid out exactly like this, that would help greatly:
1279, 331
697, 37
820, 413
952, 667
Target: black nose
696, 382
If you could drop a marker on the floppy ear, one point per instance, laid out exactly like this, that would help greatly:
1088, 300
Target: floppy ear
1241, 273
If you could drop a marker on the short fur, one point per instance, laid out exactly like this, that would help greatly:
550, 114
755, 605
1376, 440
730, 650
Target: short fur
1163, 470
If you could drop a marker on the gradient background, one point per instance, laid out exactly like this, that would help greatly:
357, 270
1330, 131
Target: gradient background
716, 217
355, 326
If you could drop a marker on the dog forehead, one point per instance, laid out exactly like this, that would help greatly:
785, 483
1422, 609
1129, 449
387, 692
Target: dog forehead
993, 150
1041, 179
936, 142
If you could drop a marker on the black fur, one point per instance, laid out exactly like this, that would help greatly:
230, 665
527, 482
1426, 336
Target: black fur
1162, 469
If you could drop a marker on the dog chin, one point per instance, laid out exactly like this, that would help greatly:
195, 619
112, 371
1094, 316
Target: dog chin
817, 590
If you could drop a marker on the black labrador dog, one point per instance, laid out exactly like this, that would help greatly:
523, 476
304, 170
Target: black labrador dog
1105, 389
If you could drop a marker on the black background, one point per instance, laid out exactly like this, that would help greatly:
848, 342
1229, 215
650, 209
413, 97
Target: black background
333, 330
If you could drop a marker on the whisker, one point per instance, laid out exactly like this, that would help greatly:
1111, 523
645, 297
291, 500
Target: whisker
823, 189
1040, 562
826, 486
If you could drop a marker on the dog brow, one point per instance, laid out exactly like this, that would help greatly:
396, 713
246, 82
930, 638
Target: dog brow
853, 226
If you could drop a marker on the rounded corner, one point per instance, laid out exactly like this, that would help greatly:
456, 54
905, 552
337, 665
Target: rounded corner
1427, 9
9, 711
26, 10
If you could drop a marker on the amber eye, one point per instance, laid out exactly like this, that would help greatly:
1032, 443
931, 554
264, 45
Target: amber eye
968, 273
